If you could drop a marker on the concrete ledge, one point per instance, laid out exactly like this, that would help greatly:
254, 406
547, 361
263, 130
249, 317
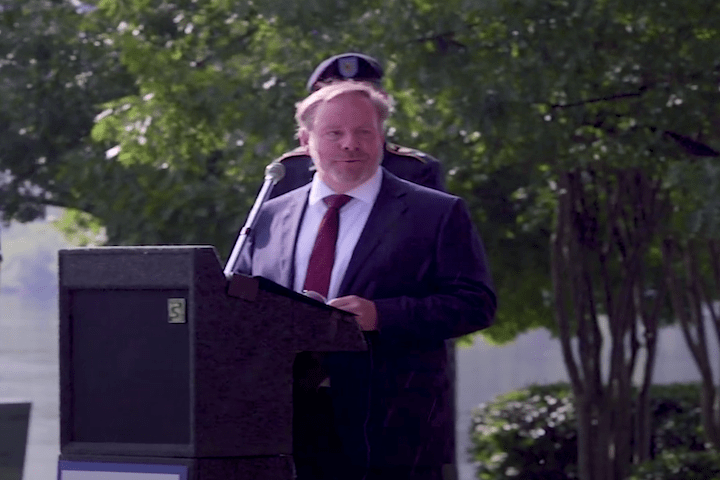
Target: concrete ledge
14, 422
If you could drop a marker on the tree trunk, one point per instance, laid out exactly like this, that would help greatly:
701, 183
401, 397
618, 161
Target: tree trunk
643, 417
685, 275
604, 228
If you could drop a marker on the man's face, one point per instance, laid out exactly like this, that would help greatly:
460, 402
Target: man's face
346, 141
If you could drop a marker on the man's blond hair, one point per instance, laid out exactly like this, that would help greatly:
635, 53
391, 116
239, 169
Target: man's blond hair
306, 109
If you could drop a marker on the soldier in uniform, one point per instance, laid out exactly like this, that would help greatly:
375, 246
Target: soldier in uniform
407, 163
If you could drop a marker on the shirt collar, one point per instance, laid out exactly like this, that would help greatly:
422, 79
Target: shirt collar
367, 192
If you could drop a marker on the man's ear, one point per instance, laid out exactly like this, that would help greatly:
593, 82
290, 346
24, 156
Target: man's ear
304, 137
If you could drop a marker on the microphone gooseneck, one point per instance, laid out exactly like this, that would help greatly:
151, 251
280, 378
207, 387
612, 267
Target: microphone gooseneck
274, 172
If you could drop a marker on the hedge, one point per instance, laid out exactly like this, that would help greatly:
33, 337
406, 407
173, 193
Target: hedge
532, 433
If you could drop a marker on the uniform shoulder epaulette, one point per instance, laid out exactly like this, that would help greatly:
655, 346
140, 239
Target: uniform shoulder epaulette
406, 152
300, 151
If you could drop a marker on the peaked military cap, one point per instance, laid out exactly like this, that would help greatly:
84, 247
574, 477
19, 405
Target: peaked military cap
345, 66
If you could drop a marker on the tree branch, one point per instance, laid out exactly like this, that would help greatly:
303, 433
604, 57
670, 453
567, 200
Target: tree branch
609, 98
559, 278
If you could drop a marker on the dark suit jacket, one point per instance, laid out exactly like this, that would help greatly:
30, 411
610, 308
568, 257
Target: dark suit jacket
421, 261
407, 163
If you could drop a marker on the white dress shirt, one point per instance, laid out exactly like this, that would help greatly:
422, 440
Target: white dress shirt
353, 216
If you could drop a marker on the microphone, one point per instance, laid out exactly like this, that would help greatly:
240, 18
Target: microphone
274, 172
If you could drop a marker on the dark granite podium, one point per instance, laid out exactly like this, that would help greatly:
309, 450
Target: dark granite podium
165, 362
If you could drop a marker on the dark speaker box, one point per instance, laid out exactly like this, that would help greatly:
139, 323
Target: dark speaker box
156, 359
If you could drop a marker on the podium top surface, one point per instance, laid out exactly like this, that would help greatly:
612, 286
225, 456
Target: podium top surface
143, 266
135, 248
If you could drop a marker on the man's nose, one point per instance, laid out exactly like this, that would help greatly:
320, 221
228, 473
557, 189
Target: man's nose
350, 142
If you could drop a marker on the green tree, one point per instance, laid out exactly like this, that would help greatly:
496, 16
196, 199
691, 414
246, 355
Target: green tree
188, 101
55, 72
217, 86
603, 103
524, 101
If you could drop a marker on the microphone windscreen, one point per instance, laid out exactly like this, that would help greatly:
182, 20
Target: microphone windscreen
275, 172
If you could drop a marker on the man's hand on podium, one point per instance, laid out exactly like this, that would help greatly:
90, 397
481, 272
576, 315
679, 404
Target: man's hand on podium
364, 310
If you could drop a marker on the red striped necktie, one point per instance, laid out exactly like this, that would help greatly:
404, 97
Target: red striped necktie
322, 257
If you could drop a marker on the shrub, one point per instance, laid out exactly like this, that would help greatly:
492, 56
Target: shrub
677, 422
680, 465
532, 433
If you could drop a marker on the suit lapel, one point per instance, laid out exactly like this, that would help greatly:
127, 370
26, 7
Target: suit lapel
288, 228
389, 205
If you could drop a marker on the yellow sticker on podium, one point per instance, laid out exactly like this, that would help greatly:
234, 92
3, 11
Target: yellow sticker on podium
176, 310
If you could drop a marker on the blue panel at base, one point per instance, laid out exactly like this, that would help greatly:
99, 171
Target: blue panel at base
69, 466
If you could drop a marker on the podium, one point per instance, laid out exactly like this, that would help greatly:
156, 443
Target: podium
168, 369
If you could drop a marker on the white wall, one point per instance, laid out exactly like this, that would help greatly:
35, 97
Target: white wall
29, 338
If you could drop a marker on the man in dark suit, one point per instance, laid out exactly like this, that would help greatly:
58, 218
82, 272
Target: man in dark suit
407, 262
407, 163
